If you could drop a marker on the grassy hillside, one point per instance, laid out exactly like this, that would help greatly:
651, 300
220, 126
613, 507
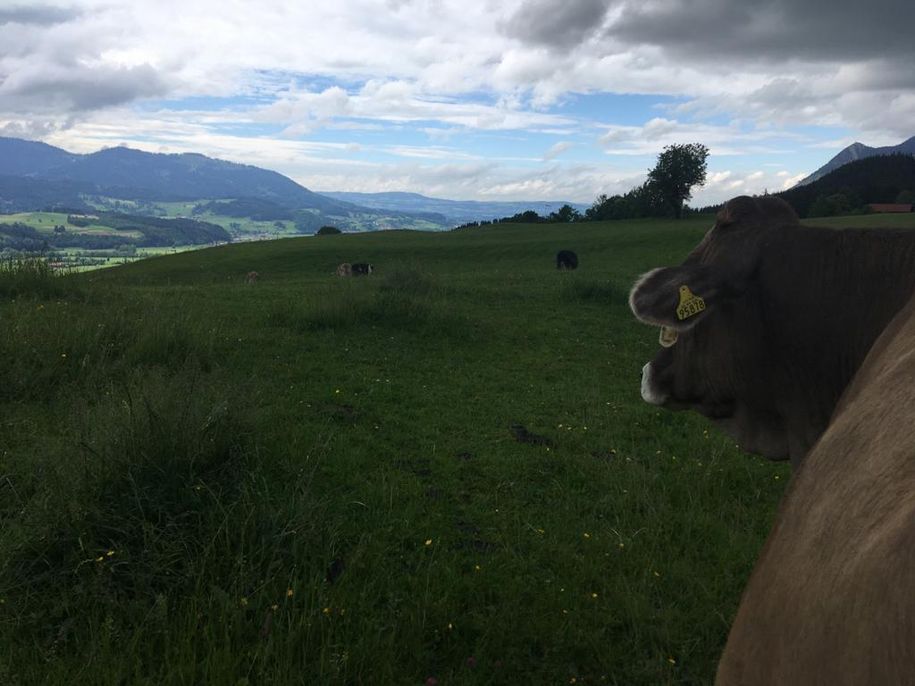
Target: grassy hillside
317, 480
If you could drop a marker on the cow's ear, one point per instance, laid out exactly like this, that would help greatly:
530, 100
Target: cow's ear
675, 297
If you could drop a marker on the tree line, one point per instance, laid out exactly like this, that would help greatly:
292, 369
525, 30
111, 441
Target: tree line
664, 193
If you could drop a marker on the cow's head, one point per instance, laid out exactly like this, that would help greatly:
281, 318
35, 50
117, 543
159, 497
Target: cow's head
712, 357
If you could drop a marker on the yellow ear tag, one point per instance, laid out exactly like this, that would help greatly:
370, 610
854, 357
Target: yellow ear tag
690, 304
668, 337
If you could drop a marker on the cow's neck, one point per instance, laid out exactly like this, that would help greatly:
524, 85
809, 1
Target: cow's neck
834, 293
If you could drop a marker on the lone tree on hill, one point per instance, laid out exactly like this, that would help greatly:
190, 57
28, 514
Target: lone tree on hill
679, 168
328, 231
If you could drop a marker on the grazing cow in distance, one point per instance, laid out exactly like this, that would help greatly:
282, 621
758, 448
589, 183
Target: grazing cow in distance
566, 259
251, 277
797, 342
345, 269
362, 268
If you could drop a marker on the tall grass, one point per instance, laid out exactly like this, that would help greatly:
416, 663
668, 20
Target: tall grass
45, 346
33, 276
150, 514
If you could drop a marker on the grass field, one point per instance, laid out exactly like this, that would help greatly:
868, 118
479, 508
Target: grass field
313, 480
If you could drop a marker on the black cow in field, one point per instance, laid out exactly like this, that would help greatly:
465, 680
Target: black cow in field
566, 259
798, 342
362, 269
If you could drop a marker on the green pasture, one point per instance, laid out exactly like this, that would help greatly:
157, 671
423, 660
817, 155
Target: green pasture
241, 228
46, 221
441, 473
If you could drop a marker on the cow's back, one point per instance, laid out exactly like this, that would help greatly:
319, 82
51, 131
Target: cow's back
832, 598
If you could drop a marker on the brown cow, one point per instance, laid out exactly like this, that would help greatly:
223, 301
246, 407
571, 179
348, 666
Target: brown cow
251, 277
345, 269
764, 326
766, 321
832, 598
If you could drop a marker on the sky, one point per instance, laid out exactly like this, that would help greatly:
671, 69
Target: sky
467, 99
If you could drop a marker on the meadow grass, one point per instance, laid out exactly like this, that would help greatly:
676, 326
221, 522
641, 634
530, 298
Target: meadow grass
315, 480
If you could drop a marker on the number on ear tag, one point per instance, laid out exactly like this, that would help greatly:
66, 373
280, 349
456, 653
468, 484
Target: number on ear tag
690, 304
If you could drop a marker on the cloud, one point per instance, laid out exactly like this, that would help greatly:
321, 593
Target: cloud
777, 31
76, 87
303, 112
556, 150
398, 102
555, 23
41, 15
658, 132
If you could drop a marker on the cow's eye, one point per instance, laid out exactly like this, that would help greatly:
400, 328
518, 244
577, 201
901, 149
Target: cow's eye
668, 336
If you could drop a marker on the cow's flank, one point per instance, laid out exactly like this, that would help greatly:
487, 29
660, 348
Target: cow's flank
766, 321
362, 268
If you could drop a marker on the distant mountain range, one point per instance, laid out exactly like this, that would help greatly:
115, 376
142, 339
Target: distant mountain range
125, 173
35, 176
456, 211
859, 151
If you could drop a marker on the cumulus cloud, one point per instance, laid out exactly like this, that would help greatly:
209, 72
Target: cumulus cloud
659, 132
71, 88
556, 23
771, 30
41, 15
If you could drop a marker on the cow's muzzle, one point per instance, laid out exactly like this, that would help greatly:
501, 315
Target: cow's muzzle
650, 392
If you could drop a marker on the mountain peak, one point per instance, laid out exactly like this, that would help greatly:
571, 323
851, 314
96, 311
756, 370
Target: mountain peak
858, 151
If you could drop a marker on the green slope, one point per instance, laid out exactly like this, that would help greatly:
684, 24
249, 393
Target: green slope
314, 480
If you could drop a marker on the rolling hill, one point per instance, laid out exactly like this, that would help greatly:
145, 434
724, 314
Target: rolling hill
126, 173
35, 176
